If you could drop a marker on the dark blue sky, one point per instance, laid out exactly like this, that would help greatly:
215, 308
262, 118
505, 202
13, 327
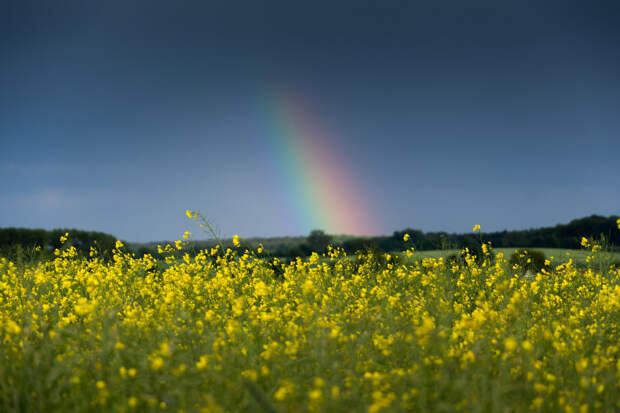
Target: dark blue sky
118, 116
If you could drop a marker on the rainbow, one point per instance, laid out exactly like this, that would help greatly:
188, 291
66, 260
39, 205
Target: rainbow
319, 184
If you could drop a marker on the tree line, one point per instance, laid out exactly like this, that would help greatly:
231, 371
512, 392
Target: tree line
16, 242
559, 236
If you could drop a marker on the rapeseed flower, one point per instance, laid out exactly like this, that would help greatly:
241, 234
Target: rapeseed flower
510, 344
202, 363
157, 363
321, 333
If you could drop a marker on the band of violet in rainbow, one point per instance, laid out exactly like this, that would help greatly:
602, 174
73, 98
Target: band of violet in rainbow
319, 180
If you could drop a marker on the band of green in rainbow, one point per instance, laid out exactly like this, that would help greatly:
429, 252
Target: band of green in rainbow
318, 180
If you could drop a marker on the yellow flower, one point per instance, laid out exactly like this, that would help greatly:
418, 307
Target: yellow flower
190, 214
584, 242
157, 363
510, 344
132, 402
164, 349
250, 374
12, 327
119, 245
618, 222
315, 394
280, 394
285, 390
308, 287
202, 363
476, 228
319, 382
406, 237
335, 392
236, 242
468, 357
261, 289
581, 365
83, 307
381, 401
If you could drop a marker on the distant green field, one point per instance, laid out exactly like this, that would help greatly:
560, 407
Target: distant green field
556, 255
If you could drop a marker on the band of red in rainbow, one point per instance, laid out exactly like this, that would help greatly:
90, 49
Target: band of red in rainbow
318, 179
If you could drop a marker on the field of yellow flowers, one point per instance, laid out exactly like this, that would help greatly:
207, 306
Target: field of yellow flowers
227, 331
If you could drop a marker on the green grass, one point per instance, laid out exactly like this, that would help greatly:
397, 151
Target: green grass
556, 255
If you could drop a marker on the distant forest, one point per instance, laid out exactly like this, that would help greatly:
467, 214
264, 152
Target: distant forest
16, 241
560, 236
